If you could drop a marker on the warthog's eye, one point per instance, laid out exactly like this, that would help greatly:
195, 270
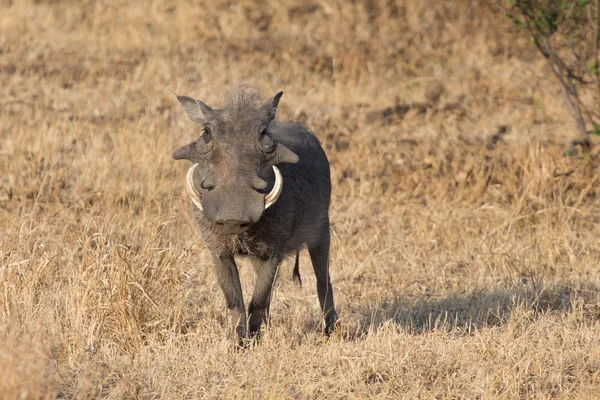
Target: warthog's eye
206, 134
266, 143
204, 144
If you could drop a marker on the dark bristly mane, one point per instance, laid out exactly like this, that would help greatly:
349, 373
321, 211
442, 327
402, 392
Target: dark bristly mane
243, 99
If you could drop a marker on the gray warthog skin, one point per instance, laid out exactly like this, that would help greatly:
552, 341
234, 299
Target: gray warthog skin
236, 150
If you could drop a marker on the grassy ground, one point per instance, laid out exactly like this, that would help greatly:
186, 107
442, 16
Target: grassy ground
465, 251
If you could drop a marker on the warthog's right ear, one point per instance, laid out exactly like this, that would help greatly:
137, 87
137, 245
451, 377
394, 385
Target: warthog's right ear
195, 109
184, 153
270, 107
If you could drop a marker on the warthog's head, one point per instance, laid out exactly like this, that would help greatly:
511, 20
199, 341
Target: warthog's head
234, 177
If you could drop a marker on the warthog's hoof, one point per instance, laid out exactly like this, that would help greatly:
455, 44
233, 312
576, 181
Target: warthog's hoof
331, 322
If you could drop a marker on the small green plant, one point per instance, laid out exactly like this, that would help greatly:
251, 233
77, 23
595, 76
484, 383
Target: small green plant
537, 103
567, 34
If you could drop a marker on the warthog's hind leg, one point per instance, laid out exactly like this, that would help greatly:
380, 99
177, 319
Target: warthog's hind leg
319, 255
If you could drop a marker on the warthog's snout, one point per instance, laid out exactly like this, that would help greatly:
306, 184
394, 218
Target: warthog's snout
231, 212
232, 226
233, 208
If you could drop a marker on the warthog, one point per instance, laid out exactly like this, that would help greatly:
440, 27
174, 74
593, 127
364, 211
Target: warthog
260, 188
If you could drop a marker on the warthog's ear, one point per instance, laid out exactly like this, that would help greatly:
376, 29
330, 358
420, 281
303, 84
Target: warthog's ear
184, 153
195, 109
270, 107
285, 155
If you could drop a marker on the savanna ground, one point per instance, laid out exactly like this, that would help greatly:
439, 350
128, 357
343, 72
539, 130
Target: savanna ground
466, 249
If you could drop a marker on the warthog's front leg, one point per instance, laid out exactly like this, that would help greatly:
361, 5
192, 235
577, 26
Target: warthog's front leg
229, 281
258, 309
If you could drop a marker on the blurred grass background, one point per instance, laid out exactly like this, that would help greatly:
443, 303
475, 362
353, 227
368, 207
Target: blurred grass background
465, 244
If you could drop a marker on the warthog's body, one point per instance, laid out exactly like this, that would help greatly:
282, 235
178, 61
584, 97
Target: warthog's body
230, 182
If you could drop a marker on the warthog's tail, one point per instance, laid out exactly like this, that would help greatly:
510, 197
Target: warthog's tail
296, 274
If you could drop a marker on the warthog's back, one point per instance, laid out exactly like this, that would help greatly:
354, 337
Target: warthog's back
307, 188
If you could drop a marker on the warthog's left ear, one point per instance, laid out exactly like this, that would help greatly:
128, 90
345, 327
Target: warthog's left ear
285, 155
270, 107
195, 109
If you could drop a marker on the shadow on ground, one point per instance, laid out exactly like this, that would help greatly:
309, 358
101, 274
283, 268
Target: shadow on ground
468, 313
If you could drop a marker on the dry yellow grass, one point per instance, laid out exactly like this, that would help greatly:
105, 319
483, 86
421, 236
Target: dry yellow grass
463, 266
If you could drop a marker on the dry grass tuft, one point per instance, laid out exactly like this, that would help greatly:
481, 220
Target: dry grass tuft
465, 244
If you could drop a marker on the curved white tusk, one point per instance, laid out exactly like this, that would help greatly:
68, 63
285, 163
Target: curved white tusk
272, 197
189, 183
